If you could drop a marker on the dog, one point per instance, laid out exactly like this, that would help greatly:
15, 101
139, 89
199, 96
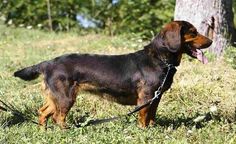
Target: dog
129, 79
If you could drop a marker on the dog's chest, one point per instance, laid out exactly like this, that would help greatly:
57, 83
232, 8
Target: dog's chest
122, 96
169, 79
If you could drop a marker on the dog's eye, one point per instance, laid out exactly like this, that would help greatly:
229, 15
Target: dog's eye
193, 33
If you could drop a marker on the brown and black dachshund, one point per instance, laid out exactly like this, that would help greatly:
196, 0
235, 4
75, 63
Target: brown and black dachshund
129, 79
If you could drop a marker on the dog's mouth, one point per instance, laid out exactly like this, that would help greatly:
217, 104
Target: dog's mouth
197, 53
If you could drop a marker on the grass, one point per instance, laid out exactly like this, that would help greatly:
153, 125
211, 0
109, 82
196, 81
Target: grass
199, 108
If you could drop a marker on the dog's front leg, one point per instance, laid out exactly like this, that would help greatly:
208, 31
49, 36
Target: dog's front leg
153, 109
144, 116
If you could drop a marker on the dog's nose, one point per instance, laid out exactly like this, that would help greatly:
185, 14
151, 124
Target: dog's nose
208, 43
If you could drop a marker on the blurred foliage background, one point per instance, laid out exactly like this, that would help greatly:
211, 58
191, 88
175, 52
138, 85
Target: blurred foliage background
144, 17
109, 16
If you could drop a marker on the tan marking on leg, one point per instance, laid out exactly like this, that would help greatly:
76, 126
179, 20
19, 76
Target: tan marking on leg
143, 117
48, 108
146, 115
60, 119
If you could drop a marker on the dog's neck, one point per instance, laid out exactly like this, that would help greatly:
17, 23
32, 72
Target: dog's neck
159, 52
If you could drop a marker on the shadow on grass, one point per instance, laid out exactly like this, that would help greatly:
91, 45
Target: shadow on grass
17, 117
199, 121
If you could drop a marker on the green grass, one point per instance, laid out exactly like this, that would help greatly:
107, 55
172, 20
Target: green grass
195, 90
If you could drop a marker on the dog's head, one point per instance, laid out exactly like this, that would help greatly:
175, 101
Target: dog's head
182, 37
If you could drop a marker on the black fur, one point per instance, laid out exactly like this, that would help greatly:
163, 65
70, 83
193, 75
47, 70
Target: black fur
129, 79
28, 73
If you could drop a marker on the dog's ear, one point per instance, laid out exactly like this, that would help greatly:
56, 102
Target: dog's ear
171, 35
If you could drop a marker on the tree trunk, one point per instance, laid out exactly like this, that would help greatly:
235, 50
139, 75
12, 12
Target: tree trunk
49, 15
213, 18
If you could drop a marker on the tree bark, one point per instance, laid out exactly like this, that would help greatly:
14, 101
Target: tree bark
49, 15
213, 18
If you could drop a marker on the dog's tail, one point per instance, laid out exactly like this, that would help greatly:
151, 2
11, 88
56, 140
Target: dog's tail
30, 73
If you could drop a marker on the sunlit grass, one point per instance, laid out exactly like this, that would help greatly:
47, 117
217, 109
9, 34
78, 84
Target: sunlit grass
197, 88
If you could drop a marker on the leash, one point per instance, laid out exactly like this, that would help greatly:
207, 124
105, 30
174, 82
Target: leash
20, 116
157, 93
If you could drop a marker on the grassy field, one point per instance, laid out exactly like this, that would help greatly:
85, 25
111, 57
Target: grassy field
199, 108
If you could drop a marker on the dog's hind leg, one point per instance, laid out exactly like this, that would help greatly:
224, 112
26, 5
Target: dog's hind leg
48, 108
66, 96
